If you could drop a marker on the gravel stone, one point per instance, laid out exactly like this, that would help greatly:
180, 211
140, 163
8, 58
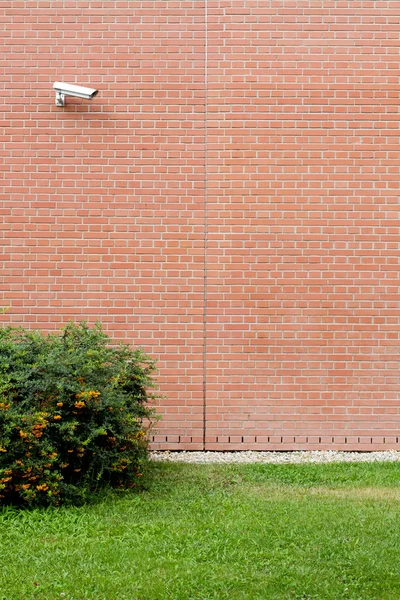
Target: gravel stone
250, 456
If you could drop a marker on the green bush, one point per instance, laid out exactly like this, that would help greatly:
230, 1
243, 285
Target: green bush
74, 414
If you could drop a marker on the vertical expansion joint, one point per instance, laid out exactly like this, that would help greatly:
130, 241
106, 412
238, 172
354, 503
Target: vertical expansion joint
205, 225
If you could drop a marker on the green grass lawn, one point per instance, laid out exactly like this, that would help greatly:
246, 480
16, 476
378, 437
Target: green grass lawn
296, 532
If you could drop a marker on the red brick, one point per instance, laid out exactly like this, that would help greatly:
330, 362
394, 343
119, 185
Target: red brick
256, 194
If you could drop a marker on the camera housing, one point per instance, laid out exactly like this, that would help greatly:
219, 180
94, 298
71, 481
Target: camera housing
76, 91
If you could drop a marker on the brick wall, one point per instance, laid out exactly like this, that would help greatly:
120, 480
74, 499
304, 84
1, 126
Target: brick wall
229, 201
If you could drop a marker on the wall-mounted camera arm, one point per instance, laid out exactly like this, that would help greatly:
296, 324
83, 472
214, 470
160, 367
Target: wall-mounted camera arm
76, 91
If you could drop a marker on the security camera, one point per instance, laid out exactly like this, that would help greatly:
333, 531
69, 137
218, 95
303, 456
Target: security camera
66, 89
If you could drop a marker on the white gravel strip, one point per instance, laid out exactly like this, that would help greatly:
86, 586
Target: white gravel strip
250, 456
